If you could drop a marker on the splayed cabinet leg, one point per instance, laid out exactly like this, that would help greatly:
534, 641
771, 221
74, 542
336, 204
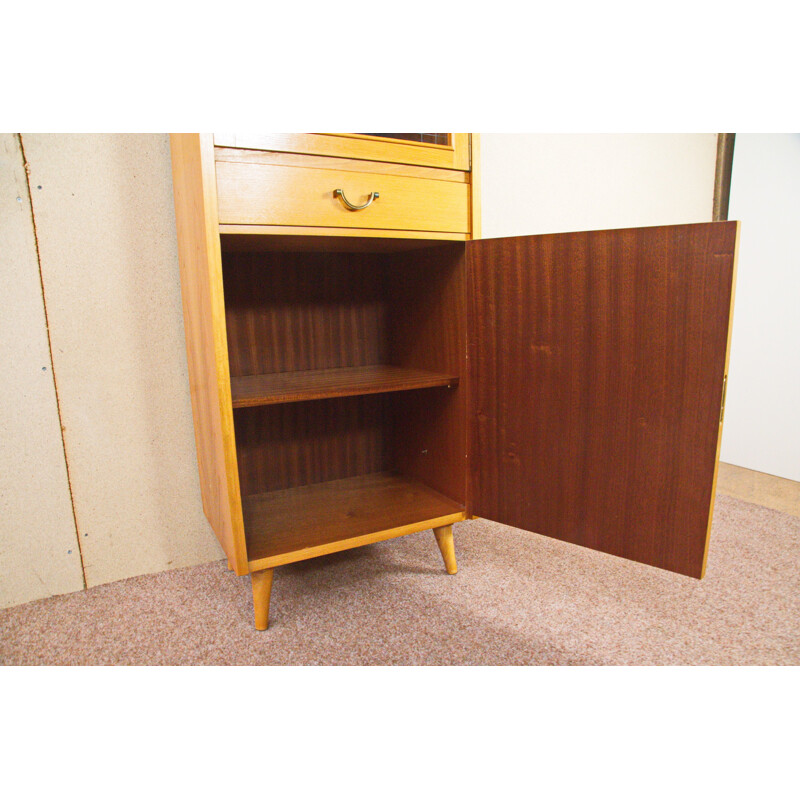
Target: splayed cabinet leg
444, 538
262, 589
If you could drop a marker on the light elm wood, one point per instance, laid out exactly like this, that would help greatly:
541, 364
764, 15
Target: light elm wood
475, 186
391, 240
444, 538
734, 269
262, 590
454, 155
263, 194
206, 341
348, 164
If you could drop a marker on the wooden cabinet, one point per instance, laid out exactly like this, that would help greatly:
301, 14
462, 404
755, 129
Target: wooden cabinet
429, 151
358, 375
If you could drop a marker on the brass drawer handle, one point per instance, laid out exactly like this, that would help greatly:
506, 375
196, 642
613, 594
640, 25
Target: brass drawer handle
372, 196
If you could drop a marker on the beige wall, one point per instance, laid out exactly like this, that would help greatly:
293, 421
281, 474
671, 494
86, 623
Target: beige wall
107, 247
547, 183
39, 553
106, 233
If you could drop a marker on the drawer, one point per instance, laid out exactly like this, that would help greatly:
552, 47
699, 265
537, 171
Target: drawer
266, 194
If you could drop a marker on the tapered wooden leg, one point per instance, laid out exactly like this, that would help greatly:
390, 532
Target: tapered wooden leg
262, 588
444, 538
230, 566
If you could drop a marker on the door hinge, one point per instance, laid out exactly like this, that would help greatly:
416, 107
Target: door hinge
724, 392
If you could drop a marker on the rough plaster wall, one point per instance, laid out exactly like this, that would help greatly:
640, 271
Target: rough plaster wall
547, 183
39, 553
108, 253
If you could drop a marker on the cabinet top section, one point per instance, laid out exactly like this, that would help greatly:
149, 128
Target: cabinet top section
442, 150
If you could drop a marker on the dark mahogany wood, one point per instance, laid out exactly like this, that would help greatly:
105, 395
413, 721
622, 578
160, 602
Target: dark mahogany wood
294, 444
313, 325
595, 379
303, 311
290, 387
427, 330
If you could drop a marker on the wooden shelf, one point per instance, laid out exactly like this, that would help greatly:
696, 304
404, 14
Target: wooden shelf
295, 524
290, 387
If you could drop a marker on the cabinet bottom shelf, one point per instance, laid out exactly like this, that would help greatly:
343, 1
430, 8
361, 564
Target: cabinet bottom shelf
295, 524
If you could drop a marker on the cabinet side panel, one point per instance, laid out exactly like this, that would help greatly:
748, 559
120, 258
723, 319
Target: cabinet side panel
597, 366
427, 324
206, 346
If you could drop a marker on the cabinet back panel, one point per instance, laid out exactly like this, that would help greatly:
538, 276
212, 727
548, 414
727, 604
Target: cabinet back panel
303, 311
296, 444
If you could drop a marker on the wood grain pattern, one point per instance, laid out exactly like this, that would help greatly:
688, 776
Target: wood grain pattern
596, 370
295, 311
350, 164
290, 312
300, 523
444, 539
424, 138
383, 239
475, 221
290, 387
453, 156
263, 194
295, 444
262, 591
206, 345
427, 330
724, 386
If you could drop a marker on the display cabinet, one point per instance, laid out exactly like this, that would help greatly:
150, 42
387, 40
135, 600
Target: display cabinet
362, 366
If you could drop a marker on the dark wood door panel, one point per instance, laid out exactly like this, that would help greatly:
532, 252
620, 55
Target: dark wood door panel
595, 381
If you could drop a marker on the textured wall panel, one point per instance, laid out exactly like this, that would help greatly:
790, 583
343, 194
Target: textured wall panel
103, 205
39, 553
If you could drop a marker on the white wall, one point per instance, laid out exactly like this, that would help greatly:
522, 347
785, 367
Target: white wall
547, 183
762, 416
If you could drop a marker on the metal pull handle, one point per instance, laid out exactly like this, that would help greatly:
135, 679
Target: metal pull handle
372, 196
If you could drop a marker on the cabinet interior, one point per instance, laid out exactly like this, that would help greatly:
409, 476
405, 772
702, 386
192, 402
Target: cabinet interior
347, 360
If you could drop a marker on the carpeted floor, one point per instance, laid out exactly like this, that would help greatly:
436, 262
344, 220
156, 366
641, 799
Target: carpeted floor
517, 599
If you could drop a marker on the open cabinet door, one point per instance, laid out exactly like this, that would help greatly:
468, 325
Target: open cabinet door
597, 365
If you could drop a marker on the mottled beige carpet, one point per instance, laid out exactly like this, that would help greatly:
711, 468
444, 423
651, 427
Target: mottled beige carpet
517, 599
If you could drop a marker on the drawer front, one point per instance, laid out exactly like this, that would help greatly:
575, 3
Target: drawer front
261, 194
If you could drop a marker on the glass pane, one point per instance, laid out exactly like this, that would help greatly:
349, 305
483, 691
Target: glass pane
429, 138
